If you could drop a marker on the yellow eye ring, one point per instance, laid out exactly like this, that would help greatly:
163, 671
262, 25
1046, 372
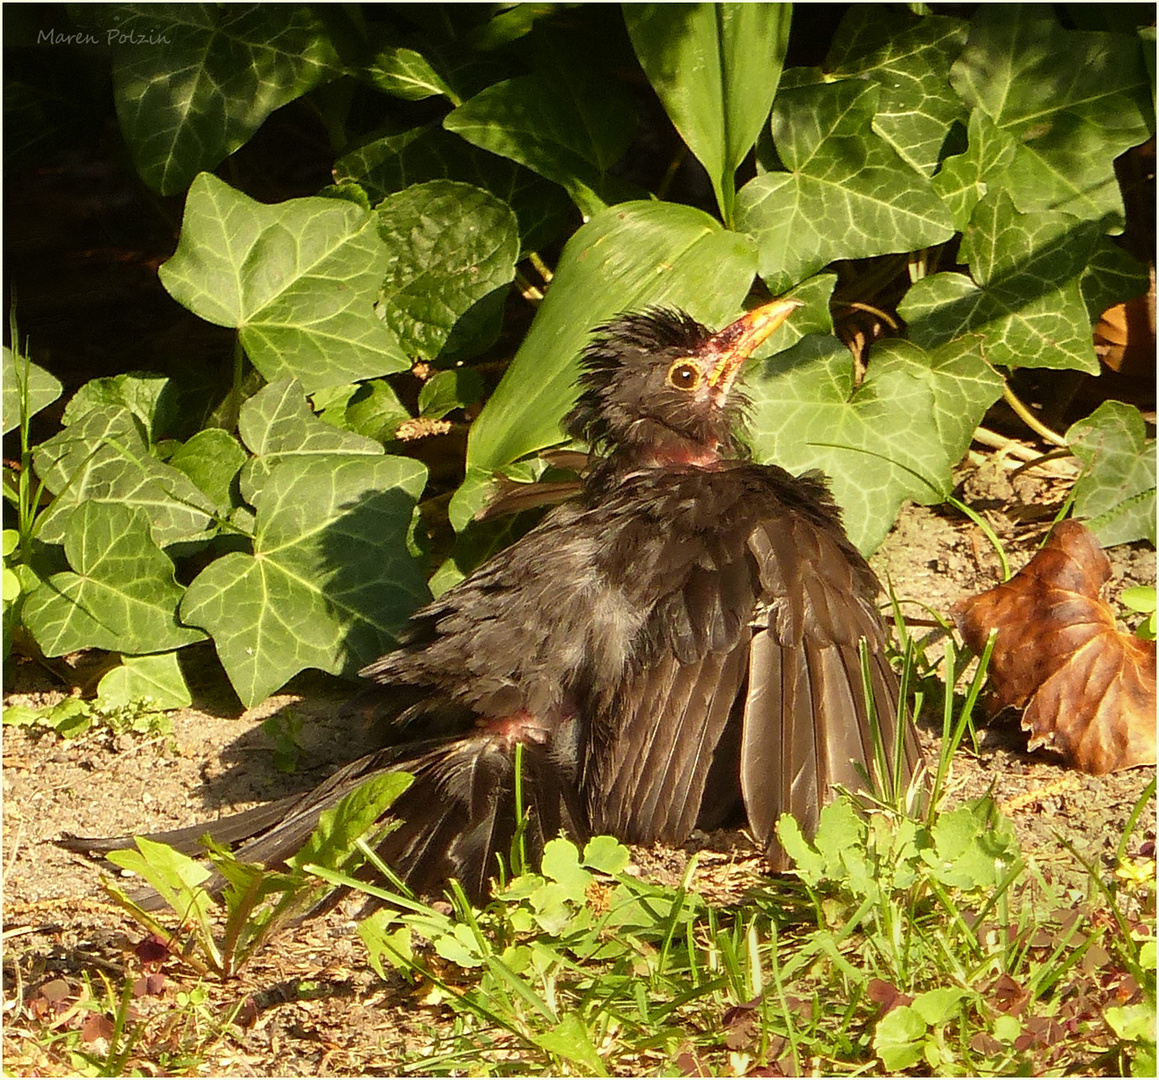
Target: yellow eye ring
684, 375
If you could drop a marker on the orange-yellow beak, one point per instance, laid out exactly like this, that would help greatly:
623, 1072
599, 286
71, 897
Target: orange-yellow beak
731, 347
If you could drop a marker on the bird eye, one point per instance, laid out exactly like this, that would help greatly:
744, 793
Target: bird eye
684, 376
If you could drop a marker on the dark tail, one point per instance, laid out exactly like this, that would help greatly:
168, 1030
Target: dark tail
455, 819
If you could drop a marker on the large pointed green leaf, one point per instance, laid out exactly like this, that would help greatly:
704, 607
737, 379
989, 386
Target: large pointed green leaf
875, 441
298, 280
1029, 276
120, 594
965, 178
452, 253
330, 581
103, 458
568, 122
716, 68
193, 82
624, 259
912, 66
1071, 100
846, 194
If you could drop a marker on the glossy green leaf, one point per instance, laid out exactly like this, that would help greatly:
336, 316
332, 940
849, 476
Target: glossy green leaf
157, 679
965, 178
630, 256
151, 398
406, 74
1026, 294
846, 194
715, 68
447, 390
330, 581
1071, 100
193, 82
121, 593
1116, 492
103, 458
211, 459
569, 124
277, 425
911, 64
42, 389
451, 253
875, 441
298, 280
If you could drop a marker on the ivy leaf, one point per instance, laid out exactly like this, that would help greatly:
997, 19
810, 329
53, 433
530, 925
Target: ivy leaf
569, 123
965, 178
120, 594
875, 442
1116, 492
846, 194
407, 74
211, 459
155, 678
912, 67
393, 162
1026, 295
716, 68
193, 82
277, 425
1071, 100
448, 390
330, 581
626, 258
452, 250
43, 389
103, 458
298, 280
151, 398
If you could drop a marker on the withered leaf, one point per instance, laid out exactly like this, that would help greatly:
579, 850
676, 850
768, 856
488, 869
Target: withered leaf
1088, 688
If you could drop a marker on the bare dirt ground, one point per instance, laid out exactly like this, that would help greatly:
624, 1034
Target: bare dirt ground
311, 1003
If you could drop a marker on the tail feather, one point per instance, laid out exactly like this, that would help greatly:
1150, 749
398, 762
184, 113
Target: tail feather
454, 820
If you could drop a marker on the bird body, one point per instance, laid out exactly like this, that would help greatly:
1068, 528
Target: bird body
676, 645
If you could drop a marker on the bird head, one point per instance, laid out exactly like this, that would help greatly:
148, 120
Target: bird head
657, 387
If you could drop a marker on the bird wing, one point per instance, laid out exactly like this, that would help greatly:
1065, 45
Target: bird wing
759, 632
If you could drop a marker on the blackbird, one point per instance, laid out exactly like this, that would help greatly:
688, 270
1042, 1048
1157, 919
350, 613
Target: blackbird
677, 646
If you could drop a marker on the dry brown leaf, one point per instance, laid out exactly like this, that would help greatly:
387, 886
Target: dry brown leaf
1088, 688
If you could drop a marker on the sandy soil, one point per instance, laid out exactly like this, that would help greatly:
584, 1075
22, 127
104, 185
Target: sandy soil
59, 926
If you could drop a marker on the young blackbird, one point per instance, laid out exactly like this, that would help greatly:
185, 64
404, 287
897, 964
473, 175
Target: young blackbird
677, 646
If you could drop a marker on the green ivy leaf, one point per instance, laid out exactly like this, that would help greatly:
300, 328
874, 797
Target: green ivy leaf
298, 280
632, 255
1071, 100
393, 162
1030, 272
912, 67
716, 68
151, 398
1116, 492
448, 390
43, 389
452, 250
277, 425
211, 459
120, 595
193, 82
846, 194
103, 458
965, 178
875, 442
407, 74
331, 580
156, 678
569, 123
